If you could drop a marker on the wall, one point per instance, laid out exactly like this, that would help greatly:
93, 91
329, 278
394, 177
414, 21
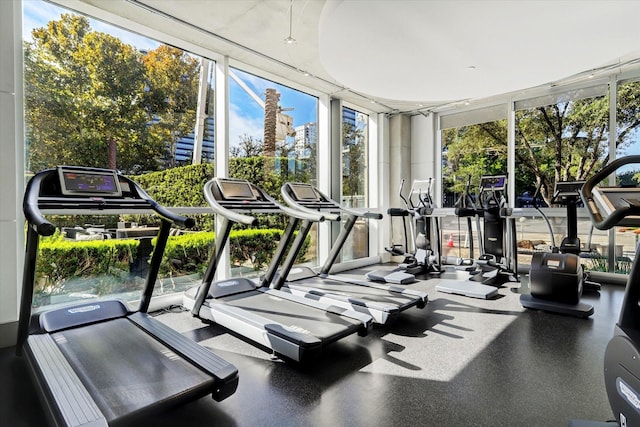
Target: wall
423, 156
11, 167
399, 158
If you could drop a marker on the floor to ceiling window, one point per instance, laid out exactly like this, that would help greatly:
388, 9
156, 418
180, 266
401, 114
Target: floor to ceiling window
100, 96
474, 144
627, 143
354, 174
560, 138
273, 140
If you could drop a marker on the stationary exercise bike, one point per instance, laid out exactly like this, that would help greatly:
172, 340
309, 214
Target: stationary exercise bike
557, 278
609, 207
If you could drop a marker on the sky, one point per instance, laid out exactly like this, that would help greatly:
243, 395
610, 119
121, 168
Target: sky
246, 117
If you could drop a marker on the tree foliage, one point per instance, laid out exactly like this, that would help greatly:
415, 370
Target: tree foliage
85, 90
566, 141
473, 151
171, 94
247, 147
353, 160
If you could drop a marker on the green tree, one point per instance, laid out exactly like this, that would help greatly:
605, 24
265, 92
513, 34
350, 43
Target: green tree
353, 160
82, 94
247, 147
171, 94
473, 151
566, 141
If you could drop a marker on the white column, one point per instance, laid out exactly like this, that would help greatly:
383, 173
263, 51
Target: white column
324, 169
11, 168
201, 113
379, 230
221, 142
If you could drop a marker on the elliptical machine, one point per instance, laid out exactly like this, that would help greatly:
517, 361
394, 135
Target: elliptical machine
556, 278
464, 207
423, 257
609, 207
427, 228
498, 262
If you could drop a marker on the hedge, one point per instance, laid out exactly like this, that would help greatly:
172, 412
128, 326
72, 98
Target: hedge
110, 261
63, 264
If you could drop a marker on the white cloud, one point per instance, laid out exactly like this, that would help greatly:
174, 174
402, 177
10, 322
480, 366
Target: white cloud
240, 125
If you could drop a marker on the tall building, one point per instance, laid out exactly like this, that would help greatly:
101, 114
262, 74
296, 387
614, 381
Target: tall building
306, 137
184, 146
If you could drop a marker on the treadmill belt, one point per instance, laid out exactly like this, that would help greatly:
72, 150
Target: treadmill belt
126, 370
295, 316
358, 292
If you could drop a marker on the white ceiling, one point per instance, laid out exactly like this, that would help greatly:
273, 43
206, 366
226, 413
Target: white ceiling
398, 55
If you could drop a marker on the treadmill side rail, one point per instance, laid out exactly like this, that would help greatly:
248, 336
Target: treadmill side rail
225, 373
62, 393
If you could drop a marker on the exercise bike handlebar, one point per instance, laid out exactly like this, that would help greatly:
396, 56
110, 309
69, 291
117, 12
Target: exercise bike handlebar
620, 212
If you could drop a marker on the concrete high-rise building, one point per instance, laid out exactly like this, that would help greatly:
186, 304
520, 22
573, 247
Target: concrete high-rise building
306, 137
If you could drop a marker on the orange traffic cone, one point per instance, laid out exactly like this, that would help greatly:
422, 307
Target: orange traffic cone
450, 242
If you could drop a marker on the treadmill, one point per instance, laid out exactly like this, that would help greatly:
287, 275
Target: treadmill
381, 301
98, 363
292, 327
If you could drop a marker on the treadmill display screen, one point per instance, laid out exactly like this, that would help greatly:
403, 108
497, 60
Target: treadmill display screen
236, 190
494, 182
77, 182
303, 192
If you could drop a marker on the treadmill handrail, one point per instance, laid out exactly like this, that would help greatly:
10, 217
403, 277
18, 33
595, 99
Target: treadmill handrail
34, 216
330, 217
218, 208
619, 213
291, 202
32, 212
235, 216
364, 213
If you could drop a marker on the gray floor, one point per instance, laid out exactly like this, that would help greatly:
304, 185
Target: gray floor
458, 362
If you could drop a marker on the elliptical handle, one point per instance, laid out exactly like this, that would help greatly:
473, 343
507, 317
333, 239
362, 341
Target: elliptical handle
592, 208
404, 199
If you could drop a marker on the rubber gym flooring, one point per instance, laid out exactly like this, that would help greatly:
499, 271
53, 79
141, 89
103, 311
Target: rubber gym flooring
458, 362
